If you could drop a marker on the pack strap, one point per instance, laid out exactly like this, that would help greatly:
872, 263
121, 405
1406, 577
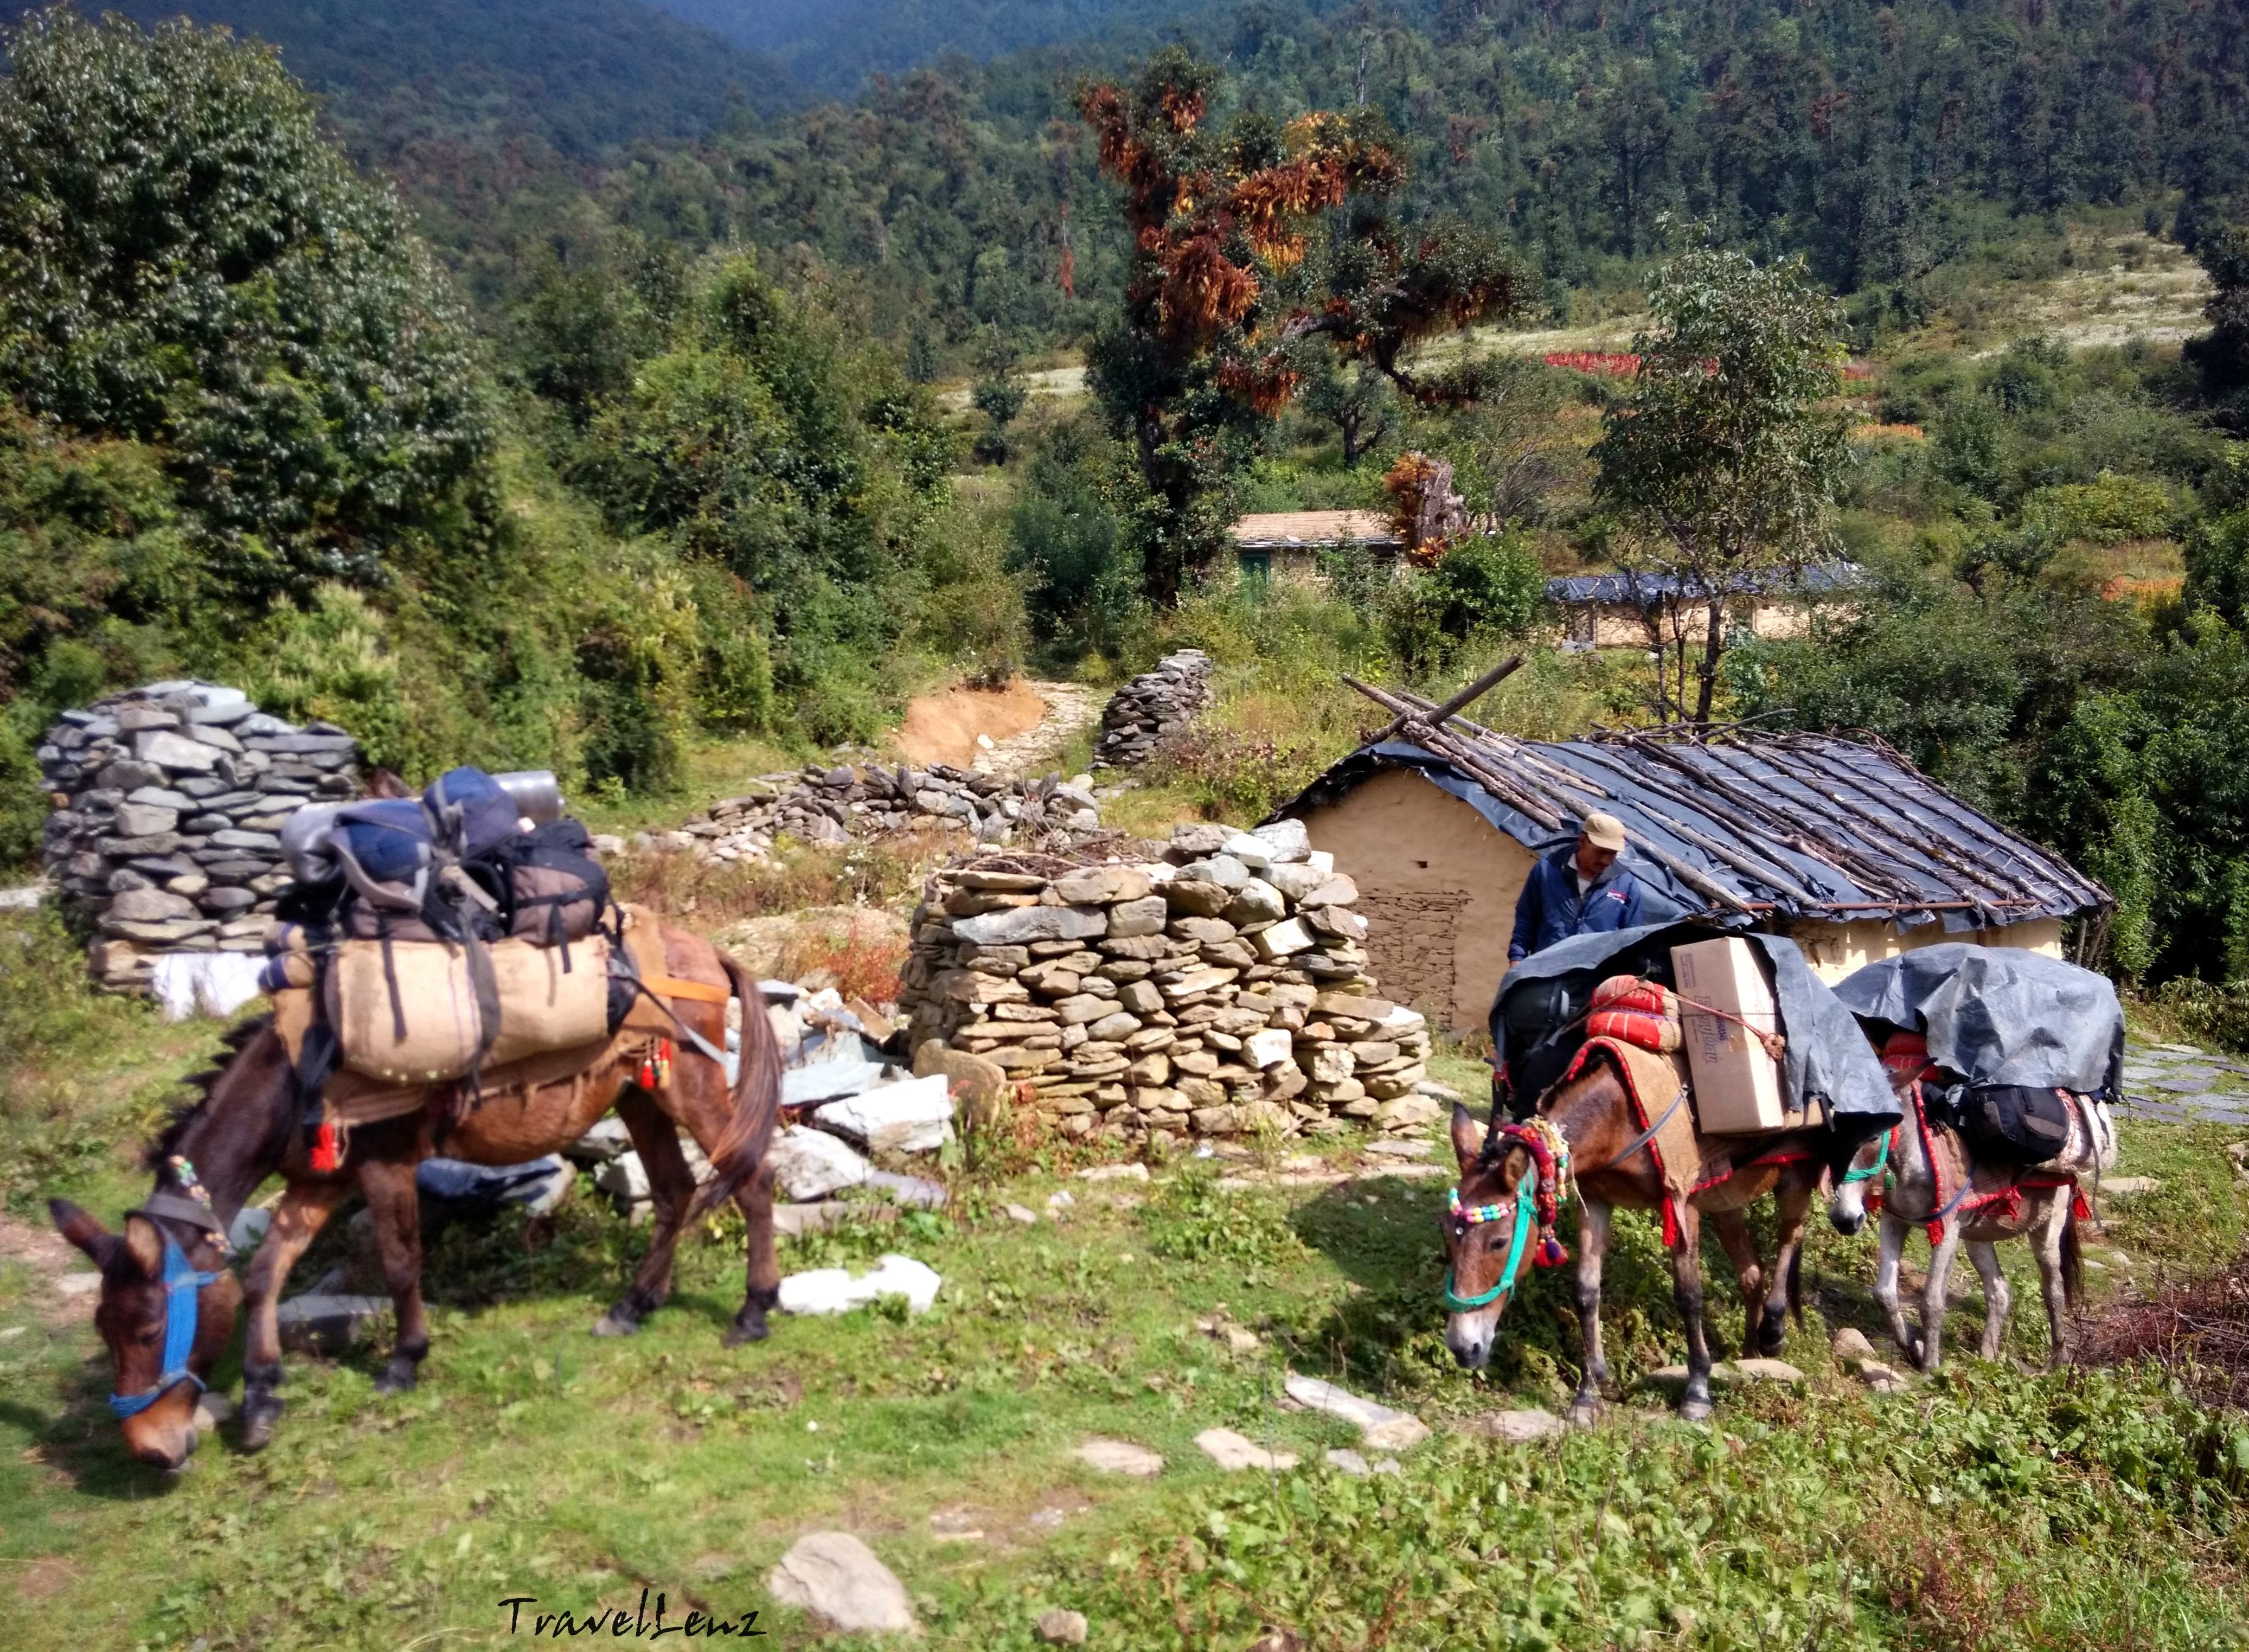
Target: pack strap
673, 987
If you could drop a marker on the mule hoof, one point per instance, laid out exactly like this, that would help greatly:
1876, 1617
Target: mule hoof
397, 1378
260, 1413
742, 1331
1771, 1334
1692, 1409
1584, 1414
617, 1323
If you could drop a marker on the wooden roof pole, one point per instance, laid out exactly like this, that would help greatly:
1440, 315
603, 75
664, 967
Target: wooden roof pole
1460, 701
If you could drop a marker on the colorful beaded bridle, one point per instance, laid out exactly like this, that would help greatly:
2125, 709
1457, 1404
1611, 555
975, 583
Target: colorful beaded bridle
1543, 1184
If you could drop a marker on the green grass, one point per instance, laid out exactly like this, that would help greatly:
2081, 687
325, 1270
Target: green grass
2097, 1508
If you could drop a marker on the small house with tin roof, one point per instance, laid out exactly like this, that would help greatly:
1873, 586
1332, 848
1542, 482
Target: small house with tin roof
1618, 611
1840, 844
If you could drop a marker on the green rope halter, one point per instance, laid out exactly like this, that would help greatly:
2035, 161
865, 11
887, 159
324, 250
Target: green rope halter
1463, 1304
1873, 1170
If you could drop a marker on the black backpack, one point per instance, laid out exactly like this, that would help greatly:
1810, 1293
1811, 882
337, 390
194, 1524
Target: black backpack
2013, 1123
550, 889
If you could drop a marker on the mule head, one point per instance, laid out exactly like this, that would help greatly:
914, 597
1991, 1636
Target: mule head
135, 1315
1478, 1231
1846, 1206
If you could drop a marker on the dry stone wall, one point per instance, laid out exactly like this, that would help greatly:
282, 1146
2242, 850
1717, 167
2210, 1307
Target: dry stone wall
1152, 706
847, 803
168, 804
1220, 990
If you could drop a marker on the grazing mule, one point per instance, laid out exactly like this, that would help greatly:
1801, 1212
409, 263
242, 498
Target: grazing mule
1932, 1186
168, 1304
1612, 1166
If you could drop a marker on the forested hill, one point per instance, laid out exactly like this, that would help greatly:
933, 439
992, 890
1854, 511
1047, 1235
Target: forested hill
415, 82
832, 48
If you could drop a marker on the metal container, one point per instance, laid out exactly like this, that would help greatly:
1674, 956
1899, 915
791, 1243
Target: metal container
536, 794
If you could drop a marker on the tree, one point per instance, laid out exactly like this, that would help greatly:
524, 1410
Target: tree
2223, 353
184, 261
1245, 241
999, 393
1355, 398
1722, 463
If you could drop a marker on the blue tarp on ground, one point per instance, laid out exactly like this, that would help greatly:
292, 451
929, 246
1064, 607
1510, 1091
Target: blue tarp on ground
1999, 1014
1828, 1057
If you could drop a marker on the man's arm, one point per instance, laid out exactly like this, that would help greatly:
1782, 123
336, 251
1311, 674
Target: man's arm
1633, 914
1529, 907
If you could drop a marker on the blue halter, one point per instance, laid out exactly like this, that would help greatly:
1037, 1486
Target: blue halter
182, 1282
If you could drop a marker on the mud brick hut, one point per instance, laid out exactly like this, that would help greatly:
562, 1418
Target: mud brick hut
1843, 846
1629, 610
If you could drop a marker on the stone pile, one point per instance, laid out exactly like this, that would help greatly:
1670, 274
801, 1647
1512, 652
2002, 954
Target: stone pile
1219, 991
1152, 706
847, 804
169, 803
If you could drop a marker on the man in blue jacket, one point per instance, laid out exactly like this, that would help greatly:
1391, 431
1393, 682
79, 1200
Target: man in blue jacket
1578, 890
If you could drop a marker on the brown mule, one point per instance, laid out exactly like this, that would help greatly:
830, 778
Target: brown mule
1612, 1166
245, 1129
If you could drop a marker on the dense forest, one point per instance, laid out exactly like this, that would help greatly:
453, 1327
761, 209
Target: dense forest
571, 387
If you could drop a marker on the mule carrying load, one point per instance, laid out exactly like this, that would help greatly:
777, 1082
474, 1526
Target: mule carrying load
2006, 1062
446, 940
1601, 1042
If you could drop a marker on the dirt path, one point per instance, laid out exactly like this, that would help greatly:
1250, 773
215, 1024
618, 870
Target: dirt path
47, 1254
1019, 729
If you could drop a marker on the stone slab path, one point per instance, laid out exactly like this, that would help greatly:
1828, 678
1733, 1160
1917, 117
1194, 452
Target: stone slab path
2178, 1084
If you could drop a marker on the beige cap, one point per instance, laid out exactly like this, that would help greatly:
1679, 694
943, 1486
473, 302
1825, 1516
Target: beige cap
1603, 832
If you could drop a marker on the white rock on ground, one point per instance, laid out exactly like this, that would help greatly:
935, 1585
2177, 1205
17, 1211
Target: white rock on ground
837, 1579
1023, 1214
1384, 1429
1134, 1172
811, 1164
1061, 1626
1531, 1423
824, 1290
212, 1410
1851, 1344
912, 1116
319, 1322
1345, 1460
1120, 1456
624, 1177
1230, 1450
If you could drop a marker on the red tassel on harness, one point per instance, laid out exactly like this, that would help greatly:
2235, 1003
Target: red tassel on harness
328, 1153
1670, 1224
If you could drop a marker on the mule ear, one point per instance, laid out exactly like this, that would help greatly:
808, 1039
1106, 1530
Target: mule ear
144, 1242
1467, 1135
83, 1230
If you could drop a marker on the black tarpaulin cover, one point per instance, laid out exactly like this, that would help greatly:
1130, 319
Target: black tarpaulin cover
1999, 1014
1827, 1056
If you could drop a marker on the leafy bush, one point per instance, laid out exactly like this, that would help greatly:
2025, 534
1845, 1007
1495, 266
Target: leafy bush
301, 358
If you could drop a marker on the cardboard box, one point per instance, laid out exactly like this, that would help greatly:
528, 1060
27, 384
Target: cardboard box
1738, 1087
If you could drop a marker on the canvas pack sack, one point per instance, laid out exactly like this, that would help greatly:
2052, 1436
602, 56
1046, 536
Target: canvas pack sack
411, 1013
551, 889
2014, 1123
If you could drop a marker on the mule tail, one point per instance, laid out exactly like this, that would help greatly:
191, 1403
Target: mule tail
2072, 1256
1796, 1284
742, 1147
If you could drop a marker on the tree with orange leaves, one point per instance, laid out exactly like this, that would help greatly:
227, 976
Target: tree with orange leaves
1253, 244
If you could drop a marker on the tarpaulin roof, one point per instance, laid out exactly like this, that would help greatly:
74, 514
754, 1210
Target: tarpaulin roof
1745, 826
1999, 1014
1645, 590
1827, 1058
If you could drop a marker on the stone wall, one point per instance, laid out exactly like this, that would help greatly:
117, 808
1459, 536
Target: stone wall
1220, 990
168, 805
846, 804
1151, 706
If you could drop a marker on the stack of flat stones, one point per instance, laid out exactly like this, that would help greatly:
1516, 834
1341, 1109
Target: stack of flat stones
169, 803
1152, 706
846, 804
1220, 990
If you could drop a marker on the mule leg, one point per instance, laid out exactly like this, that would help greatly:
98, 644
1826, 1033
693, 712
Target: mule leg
2053, 1274
1592, 1245
1733, 1230
1935, 1295
1997, 1299
1895, 1230
1785, 1290
1686, 1293
672, 1185
754, 1198
304, 1208
388, 1186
